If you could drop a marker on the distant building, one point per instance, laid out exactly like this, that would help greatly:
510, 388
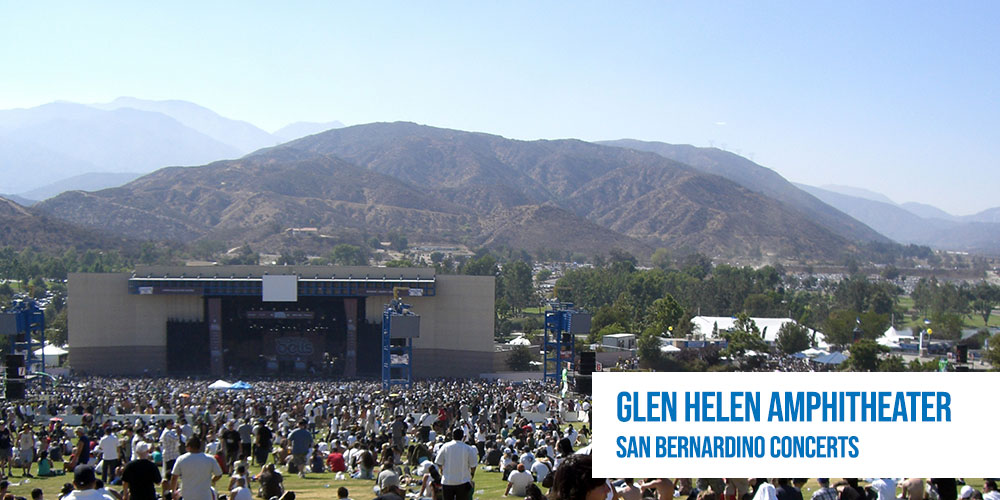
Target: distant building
619, 340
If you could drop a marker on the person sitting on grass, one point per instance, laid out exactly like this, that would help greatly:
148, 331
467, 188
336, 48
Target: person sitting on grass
45, 466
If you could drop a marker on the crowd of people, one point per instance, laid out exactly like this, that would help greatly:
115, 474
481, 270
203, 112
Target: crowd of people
173, 439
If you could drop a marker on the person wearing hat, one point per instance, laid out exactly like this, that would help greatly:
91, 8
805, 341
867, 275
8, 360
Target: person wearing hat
389, 488
85, 482
967, 492
141, 476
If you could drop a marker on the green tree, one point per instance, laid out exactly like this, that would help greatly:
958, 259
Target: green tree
399, 263
793, 338
664, 314
520, 359
648, 348
485, 265
985, 298
661, 259
543, 275
596, 337
946, 326
517, 286
397, 241
745, 336
865, 355
892, 363
56, 331
993, 353
348, 255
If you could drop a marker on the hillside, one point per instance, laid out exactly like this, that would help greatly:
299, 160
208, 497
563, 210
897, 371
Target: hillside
256, 200
459, 186
21, 227
760, 179
904, 226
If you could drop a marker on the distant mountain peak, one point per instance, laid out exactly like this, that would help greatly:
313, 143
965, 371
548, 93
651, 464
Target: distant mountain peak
858, 193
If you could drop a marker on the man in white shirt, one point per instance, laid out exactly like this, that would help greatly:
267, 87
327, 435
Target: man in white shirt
109, 453
518, 481
886, 488
85, 480
198, 473
457, 461
170, 446
241, 492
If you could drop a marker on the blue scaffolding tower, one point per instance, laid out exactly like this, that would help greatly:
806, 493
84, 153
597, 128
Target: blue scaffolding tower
22, 323
562, 323
399, 327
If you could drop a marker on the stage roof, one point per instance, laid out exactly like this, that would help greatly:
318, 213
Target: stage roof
312, 281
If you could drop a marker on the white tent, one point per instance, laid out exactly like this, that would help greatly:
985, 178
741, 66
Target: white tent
768, 326
220, 384
519, 341
669, 348
51, 350
812, 352
52, 354
891, 338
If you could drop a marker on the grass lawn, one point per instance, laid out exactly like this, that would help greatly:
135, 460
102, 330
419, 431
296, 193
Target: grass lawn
314, 487
971, 321
489, 486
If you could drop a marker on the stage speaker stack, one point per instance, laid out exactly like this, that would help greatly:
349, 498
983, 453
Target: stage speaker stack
962, 353
15, 388
588, 363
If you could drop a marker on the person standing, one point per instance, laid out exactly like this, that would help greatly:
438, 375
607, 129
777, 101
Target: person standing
231, 443
170, 446
198, 473
302, 441
141, 476
457, 461
6, 444
81, 455
109, 454
246, 438
26, 449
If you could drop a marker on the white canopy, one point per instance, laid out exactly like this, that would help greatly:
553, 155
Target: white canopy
220, 384
519, 341
812, 352
669, 348
51, 350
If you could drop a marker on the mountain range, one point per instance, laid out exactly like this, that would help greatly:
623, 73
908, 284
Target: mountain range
447, 185
919, 223
91, 164
65, 145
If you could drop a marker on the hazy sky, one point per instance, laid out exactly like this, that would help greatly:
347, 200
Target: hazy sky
896, 97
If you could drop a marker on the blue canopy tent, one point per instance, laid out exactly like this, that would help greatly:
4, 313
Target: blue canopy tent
834, 358
240, 386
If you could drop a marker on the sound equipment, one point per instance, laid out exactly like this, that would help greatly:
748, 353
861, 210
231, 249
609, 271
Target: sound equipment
584, 385
14, 389
15, 366
588, 362
962, 353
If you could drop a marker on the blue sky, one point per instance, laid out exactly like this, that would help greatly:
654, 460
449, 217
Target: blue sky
896, 97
